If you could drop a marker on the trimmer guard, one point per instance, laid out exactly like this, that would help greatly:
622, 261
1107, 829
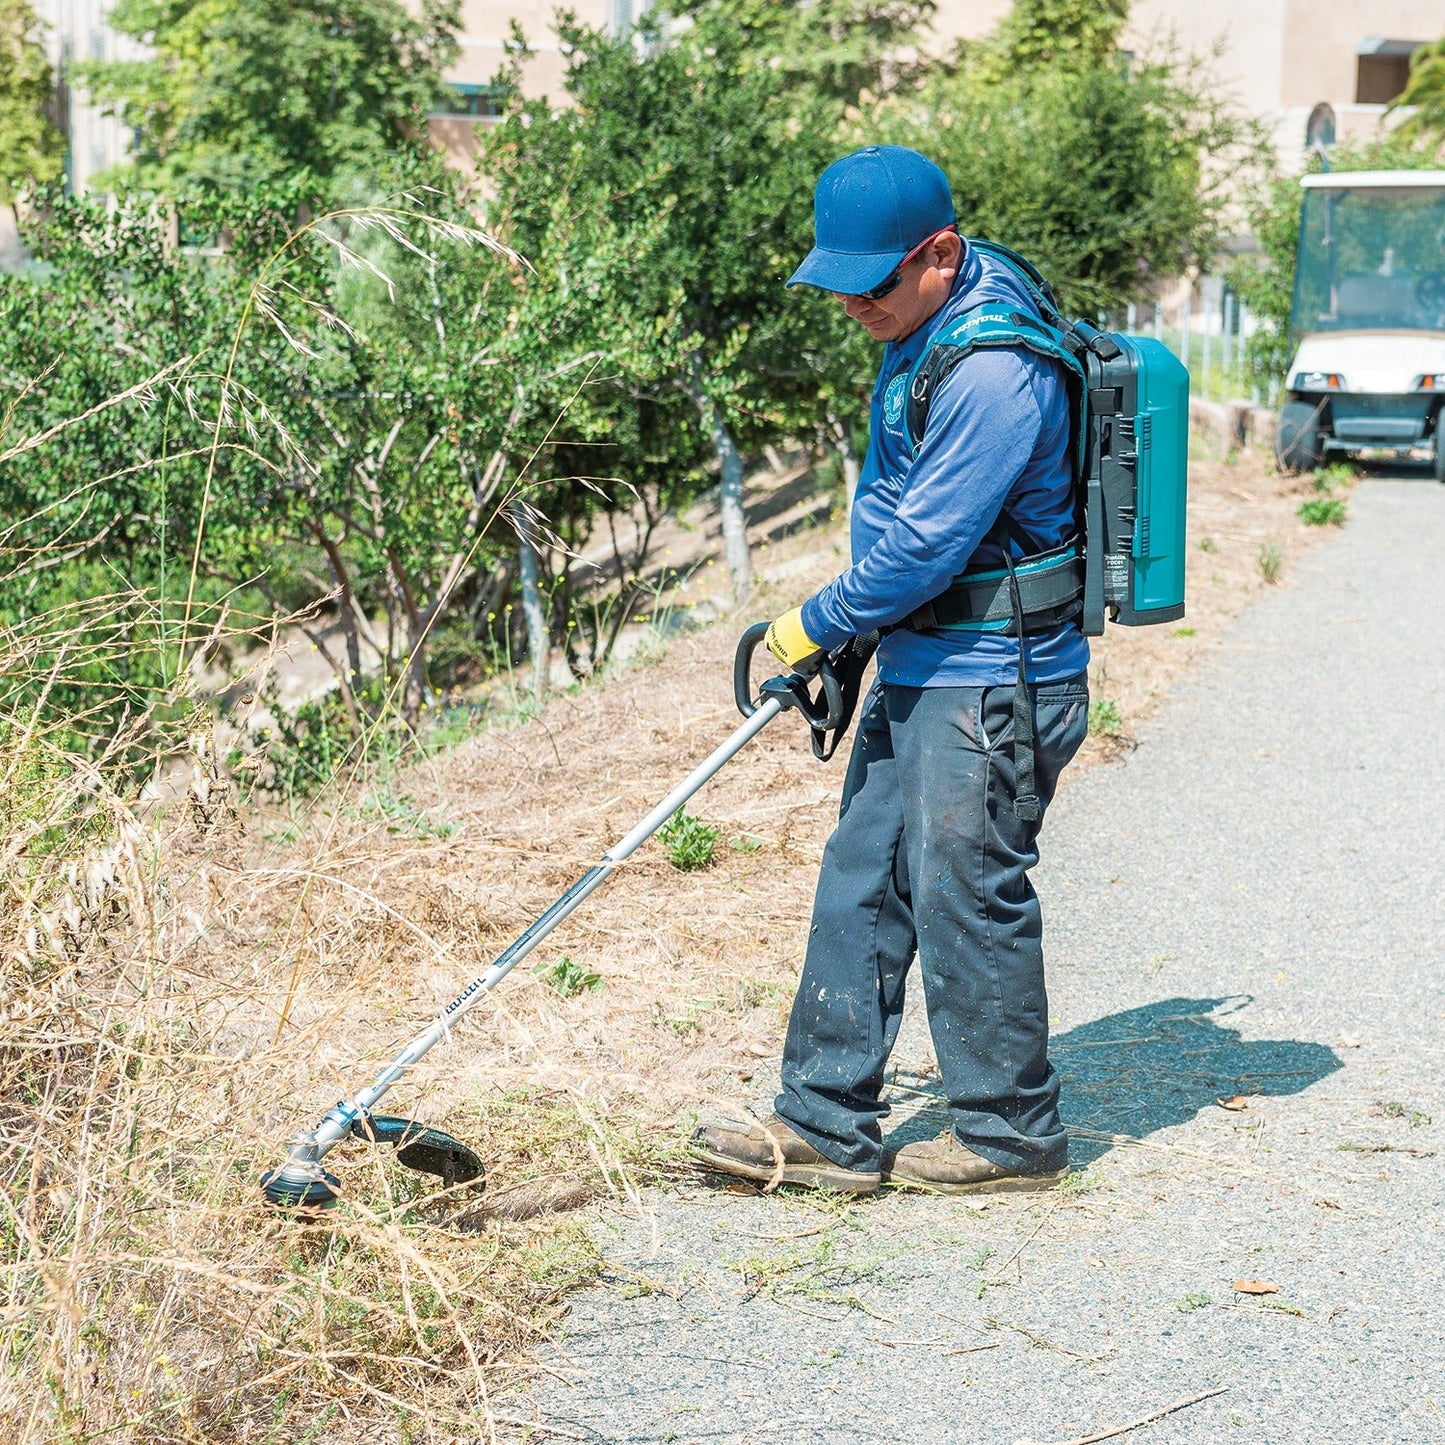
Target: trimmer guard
429, 1151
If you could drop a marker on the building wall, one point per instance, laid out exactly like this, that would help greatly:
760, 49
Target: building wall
1277, 59
1249, 32
79, 30
486, 26
1323, 42
1322, 57
966, 20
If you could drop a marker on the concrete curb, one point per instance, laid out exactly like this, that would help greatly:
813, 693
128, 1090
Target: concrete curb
1234, 423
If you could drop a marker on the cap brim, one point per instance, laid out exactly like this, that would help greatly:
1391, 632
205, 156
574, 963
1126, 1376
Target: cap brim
846, 272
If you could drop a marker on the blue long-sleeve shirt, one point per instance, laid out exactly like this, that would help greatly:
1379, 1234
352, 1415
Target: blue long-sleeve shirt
997, 432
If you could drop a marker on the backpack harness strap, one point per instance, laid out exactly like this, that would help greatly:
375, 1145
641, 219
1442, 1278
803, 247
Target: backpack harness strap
1043, 590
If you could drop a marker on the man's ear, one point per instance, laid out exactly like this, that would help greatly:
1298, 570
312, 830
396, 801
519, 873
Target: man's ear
948, 251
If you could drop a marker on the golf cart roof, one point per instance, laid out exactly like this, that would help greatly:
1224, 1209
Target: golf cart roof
1374, 181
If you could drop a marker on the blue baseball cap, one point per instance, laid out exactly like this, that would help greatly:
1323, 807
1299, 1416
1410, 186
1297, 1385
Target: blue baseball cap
870, 209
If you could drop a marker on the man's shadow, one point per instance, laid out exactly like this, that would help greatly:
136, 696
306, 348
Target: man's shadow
1148, 1068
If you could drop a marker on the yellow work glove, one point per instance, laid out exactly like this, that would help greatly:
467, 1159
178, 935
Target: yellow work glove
788, 642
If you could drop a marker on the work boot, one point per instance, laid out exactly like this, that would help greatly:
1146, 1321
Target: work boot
944, 1166
769, 1151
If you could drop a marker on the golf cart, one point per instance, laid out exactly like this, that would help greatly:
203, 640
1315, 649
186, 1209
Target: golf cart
1368, 319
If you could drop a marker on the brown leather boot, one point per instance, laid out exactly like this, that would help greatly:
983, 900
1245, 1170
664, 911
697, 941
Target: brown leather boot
944, 1166
769, 1151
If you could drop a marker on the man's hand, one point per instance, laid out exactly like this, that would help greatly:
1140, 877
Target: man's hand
792, 646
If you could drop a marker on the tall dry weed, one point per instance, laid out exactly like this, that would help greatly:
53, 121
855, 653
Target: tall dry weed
169, 992
149, 953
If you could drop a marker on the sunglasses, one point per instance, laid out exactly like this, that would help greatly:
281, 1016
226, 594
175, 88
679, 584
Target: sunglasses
893, 280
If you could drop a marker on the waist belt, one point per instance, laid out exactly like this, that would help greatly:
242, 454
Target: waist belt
1032, 595
1050, 593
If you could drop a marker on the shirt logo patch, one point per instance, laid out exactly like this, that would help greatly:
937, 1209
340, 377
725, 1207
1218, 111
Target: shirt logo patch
893, 398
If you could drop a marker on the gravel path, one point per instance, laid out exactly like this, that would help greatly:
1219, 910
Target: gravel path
1249, 908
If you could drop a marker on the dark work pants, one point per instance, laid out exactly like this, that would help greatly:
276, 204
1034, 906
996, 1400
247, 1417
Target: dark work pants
928, 860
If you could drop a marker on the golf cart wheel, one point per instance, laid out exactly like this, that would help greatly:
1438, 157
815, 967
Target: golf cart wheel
1298, 441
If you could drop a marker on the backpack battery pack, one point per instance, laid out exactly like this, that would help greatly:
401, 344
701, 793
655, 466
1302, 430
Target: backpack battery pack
1129, 405
1135, 462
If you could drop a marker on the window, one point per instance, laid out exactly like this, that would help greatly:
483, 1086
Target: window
1383, 70
480, 102
1320, 131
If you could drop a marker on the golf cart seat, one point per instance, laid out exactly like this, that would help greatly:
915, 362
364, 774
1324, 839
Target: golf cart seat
1376, 301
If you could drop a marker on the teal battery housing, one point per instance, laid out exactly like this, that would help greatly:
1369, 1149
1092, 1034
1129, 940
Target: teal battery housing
1136, 469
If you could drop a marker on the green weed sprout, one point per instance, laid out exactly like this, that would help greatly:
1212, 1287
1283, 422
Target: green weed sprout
1322, 512
690, 843
1105, 719
568, 977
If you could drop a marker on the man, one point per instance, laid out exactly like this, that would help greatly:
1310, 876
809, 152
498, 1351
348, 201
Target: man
930, 858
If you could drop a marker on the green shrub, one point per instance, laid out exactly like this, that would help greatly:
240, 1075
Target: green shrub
1337, 474
305, 749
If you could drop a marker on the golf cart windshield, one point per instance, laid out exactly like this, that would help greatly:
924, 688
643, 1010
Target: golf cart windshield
1370, 259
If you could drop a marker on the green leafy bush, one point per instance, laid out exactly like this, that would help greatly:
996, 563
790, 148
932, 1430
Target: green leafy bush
1337, 474
1012, 126
301, 752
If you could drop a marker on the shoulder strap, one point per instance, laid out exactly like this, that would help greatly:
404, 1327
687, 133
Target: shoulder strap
992, 324
1028, 273
995, 324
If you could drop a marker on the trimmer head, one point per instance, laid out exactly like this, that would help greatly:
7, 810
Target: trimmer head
297, 1191
301, 1185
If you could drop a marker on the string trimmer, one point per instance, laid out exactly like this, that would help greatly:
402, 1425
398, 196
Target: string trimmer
300, 1183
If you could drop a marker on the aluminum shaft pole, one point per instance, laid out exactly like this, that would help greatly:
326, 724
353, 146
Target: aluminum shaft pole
308, 1149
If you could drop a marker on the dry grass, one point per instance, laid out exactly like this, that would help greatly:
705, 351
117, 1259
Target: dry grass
185, 988
179, 996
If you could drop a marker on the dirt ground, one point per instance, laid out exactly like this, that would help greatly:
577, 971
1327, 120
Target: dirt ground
695, 969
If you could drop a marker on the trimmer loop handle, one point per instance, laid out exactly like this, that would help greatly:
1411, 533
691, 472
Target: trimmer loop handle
823, 711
